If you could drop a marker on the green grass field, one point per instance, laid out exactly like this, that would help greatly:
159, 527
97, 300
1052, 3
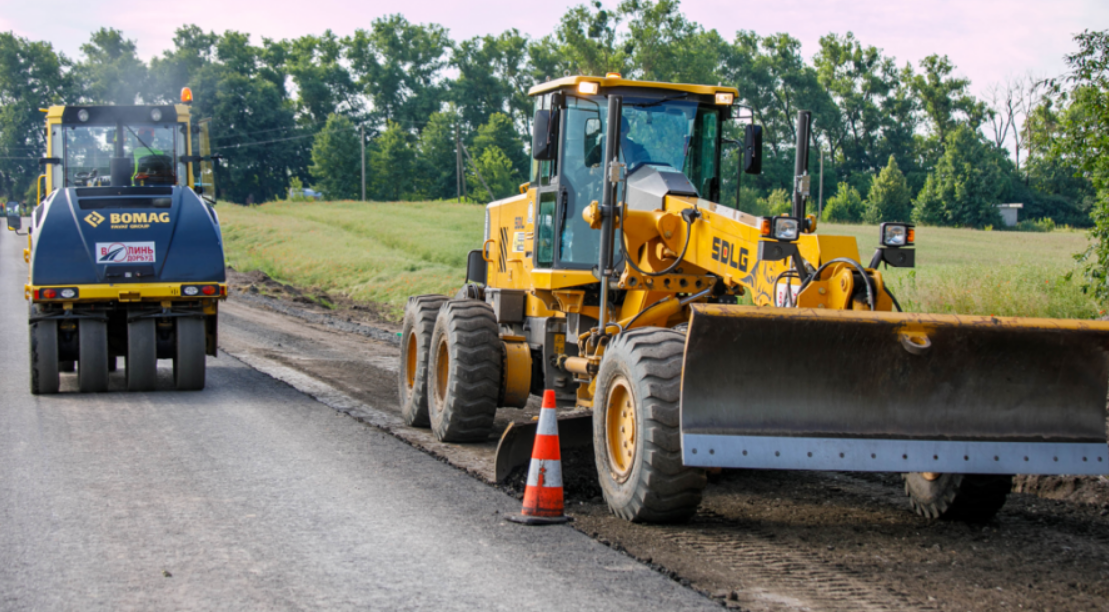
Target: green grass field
385, 252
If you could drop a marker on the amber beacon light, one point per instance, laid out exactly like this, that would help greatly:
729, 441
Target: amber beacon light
186, 95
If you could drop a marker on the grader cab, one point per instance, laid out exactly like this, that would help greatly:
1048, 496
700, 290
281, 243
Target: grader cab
614, 281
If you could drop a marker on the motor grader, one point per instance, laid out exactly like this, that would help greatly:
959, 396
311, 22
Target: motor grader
124, 246
614, 277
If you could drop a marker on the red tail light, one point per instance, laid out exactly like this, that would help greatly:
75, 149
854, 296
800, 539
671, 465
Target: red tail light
49, 294
208, 290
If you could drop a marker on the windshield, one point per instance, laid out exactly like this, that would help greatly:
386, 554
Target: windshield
671, 132
153, 149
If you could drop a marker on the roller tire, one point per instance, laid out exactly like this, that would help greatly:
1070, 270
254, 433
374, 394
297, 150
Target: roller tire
189, 354
92, 356
657, 487
419, 324
972, 498
44, 357
142, 355
463, 391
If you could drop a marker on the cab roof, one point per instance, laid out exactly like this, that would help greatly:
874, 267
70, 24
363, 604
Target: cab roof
617, 81
171, 113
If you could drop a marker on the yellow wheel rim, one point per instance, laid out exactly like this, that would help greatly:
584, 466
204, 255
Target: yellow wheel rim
442, 371
410, 363
620, 428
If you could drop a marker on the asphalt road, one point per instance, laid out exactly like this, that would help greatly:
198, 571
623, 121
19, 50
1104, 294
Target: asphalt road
251, 495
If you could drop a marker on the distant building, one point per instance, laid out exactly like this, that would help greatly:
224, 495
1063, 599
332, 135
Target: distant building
1009, 213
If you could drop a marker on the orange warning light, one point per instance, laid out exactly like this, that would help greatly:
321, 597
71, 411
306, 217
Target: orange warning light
186, 95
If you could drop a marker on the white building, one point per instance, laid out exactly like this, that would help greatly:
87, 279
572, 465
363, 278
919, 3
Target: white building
1009, 213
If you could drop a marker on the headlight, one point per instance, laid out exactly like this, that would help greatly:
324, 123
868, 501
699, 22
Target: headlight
785, 228
897, 234
588, 88
82, 115
725, 98
190, 290
68, 293
156, 115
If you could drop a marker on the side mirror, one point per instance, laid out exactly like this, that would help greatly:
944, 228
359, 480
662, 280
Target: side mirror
475, 267
543, 135
15, 221
752, 149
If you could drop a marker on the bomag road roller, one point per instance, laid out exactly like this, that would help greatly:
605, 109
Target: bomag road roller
125, 252
614, 278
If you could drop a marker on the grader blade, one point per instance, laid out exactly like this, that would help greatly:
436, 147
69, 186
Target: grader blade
891, 392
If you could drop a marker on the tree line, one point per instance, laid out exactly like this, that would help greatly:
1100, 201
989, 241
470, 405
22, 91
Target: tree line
899, 141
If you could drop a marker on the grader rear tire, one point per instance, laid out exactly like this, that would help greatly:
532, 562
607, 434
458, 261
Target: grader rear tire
464, 371
412, 379
44, 357
973, 498
92, 355
636, 438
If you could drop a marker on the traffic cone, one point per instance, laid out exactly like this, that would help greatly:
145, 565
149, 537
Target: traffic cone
543, 495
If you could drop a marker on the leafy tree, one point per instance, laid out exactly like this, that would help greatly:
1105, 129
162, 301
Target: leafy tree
193, 50
112, 73
500, 132
889, 198
437, 157
844, 207
776, 203
336, 155
966, 185
398, 65
392, 162
587, 42
1086, 129
32, 75
324, 85
944, 99
497, 171
665, 46
492, 77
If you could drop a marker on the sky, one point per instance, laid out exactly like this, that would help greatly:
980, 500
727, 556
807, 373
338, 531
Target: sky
988, 40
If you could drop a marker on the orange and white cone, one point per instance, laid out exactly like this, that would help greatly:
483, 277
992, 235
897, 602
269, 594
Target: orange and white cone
543, 502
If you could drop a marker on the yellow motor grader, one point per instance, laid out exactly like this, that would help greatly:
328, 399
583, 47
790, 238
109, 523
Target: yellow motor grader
613, 279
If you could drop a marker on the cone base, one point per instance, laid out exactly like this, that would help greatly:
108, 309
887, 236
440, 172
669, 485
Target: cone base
538, 520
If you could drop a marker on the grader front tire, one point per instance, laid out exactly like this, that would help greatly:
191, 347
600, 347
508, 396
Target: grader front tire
636, 438
973, 498
415, 343
464, 371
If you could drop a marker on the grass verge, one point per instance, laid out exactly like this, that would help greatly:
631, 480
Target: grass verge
385, 252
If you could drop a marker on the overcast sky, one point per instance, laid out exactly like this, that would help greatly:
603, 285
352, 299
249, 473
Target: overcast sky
988, 40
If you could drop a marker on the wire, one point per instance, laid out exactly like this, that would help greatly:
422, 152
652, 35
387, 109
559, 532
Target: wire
851, 262
695, 214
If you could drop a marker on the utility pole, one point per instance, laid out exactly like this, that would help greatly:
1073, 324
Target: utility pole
457, 163
362, 141
820, 189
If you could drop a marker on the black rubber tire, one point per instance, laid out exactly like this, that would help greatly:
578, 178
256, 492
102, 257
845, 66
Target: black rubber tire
142, 355
463, 395
972, 498
419, 324
44, 357
67, 366
658, 487
189, 357
92, 355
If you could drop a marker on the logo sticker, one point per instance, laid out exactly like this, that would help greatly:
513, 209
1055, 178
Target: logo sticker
139, 220
124, 252
94, 218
